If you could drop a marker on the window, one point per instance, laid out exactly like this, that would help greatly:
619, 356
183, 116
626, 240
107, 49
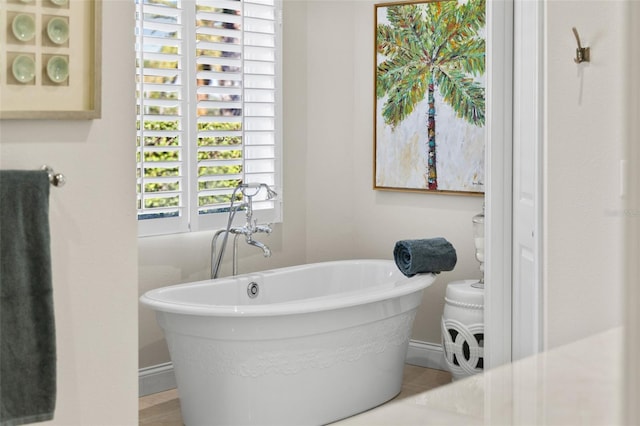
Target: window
209, 108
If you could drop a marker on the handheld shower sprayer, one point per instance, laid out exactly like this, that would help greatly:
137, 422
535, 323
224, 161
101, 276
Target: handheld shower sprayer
252, 189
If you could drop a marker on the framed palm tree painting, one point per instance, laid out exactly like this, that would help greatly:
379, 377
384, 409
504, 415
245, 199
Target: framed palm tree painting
430, 96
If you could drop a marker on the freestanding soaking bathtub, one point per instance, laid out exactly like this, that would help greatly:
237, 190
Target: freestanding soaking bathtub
301, 345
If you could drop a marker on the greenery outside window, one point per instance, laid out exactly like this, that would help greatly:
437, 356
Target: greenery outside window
209, 110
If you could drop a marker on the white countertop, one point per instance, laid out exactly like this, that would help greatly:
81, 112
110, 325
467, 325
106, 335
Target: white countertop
577, 384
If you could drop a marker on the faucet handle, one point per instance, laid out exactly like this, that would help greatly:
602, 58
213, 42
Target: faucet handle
266, 228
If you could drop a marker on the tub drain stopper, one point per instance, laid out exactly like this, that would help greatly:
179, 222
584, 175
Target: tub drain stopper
253, 289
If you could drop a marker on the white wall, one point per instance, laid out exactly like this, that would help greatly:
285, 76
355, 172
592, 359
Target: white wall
585, 134
331, 211
93, 235
632, 230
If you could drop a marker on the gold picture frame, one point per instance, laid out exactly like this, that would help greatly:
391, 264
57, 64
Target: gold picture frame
50, 59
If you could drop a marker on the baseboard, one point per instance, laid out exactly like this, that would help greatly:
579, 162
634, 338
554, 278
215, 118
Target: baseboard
425, 354
157, 378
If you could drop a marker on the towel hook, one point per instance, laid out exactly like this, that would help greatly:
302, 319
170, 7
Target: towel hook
56, 179
582, 53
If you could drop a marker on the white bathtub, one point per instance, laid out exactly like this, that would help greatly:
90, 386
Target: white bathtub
320, 342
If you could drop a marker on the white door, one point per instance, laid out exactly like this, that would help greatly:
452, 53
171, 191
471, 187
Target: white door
527, 143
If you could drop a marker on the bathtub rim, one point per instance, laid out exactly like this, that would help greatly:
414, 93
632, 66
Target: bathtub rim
401, 287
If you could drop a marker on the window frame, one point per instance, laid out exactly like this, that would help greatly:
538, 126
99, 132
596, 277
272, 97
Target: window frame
190, 220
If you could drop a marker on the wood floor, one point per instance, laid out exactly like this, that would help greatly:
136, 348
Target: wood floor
163, 409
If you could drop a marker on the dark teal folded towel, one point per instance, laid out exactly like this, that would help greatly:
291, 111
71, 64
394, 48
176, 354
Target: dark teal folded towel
427, 255
27, 332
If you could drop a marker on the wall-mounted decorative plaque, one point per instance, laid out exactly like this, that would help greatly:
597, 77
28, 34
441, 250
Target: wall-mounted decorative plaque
50, 59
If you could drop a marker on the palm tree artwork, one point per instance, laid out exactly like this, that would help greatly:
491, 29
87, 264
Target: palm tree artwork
431, 52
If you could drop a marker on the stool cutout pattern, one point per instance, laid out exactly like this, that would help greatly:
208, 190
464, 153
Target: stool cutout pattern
463, 347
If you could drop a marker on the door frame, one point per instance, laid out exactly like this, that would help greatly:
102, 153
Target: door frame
509, 30
498, 185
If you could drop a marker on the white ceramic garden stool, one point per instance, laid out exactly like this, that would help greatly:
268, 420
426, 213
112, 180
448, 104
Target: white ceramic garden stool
463, 328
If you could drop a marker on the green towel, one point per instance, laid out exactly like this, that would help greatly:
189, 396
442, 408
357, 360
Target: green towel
27, 331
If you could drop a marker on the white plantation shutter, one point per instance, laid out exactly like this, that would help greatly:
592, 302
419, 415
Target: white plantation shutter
161, 98
260, 93
208, 75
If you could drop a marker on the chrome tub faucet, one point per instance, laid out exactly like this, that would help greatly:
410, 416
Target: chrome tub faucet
248, 191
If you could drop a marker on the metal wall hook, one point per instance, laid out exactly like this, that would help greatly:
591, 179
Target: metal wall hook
582, 53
